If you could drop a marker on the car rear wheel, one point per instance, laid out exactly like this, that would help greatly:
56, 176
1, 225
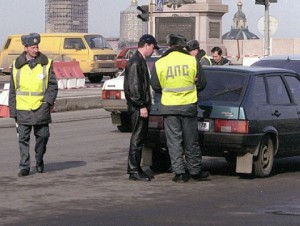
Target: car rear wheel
125, 123
263, 163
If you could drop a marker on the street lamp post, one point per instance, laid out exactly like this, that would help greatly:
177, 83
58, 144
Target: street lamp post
151, 4
267, 29
266, 3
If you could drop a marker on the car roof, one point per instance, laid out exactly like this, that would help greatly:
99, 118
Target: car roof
291, 62
282, 57
250, 69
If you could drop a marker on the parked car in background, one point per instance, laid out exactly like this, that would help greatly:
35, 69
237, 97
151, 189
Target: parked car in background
249, 115
126, 54
113, 99
94, 54
291, 62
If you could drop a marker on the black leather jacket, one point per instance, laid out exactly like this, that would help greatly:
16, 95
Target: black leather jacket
136, 83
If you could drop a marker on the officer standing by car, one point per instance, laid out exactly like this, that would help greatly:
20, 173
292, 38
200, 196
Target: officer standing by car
33, 90
177, 76
194, 49
138, 96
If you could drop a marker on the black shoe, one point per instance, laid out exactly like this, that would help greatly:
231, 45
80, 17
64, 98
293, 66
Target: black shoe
181, 178
147, 175
139, 176
202, 175
40, 169
23, 173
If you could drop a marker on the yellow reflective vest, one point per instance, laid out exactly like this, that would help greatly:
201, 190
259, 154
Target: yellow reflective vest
208, 59
176, 73
30, 85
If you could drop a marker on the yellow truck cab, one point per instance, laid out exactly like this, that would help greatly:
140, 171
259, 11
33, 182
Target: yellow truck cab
92, 51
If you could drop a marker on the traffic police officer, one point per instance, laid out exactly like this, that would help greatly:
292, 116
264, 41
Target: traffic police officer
177, 76
194, 49
33, 90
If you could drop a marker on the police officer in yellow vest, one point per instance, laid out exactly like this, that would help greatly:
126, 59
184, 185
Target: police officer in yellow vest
178, 77
33, 90
194, 49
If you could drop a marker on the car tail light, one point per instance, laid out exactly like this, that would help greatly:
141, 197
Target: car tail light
231, 126
111, 94
156, 122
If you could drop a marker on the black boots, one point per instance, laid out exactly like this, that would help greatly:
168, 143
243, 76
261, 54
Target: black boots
142, 176
23, 173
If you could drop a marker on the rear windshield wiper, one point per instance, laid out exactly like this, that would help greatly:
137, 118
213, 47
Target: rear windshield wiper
234, 90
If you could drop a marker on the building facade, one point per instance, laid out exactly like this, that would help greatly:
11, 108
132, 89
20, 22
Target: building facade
131, 27
66, 16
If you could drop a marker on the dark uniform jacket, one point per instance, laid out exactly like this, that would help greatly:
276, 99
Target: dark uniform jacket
203, 60
42, 114
223, 61
185, 110
136, 83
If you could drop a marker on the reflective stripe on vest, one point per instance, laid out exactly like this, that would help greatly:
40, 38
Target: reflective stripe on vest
30, 85
181, 89
209, 60
176, 73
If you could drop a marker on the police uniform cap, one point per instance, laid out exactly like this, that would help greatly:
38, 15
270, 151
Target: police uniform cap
192, 44
31, 39
176, 40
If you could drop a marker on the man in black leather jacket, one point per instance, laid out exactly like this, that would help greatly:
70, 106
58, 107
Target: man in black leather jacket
138, 96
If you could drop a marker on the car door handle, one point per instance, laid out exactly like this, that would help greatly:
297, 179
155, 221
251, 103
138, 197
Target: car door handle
276, 113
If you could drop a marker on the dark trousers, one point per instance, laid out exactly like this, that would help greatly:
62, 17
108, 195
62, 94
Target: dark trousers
182, 141
139, 134
42, 134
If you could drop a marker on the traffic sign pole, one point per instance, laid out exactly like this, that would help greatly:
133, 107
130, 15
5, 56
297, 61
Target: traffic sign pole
267, 29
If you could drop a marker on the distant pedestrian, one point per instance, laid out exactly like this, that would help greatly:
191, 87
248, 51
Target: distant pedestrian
218, 58
138, 96
178, 76
194, 49
33, 90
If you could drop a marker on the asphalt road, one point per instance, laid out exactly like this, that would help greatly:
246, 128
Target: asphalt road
85, 183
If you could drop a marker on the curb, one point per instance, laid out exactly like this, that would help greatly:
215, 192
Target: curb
63, 105
4, 78
77, 103
68, 101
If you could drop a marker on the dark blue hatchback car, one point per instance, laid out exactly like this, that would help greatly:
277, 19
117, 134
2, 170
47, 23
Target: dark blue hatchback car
291, 62
249, 115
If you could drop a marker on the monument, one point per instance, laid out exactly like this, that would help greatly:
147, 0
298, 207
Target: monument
201, 20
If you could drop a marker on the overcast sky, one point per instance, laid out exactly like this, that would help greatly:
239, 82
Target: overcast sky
24, 16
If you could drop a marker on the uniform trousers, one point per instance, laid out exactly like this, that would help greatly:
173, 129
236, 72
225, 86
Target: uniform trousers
139, 127
42, 134
182, 141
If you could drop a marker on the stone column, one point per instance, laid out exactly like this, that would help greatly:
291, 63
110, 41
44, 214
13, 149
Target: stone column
201, 21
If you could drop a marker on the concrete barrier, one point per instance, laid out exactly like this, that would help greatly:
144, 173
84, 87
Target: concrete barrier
4, 109
68, 75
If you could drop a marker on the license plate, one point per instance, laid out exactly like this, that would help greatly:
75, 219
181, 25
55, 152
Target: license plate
203, 126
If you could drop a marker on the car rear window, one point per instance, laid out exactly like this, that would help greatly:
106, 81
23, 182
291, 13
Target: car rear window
223, 86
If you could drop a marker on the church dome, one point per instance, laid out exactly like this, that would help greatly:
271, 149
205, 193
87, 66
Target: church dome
239, 29
239, 14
